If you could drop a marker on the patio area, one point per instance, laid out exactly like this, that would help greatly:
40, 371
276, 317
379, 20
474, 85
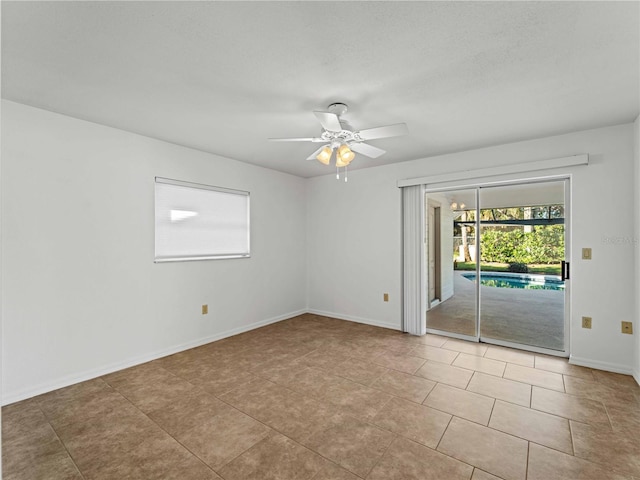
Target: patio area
528, 317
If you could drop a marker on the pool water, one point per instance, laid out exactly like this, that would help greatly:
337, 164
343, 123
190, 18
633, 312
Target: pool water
528, 282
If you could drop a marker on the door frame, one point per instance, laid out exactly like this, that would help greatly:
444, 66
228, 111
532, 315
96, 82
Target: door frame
567, 179
435, 251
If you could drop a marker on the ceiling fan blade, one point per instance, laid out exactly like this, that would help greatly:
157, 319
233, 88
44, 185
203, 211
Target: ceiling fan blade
394, 130
329, 121
315, 154
307, 139
367, 150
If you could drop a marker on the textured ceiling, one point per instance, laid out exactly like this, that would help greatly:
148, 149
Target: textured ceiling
224, 76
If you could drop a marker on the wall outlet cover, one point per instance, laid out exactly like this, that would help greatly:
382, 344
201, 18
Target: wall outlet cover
627, 327
586, 322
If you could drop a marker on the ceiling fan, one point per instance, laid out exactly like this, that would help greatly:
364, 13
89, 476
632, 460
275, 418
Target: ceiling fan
338, 135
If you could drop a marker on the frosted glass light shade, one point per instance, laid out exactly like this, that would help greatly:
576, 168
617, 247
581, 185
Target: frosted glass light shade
325, 155
340, 161
346, 154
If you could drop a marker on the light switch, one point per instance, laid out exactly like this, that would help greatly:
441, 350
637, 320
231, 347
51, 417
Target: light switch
586, 254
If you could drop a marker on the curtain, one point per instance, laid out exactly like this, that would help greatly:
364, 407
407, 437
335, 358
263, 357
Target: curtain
413, 253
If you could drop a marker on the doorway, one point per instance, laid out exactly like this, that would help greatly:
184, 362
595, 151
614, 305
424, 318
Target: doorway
503, 271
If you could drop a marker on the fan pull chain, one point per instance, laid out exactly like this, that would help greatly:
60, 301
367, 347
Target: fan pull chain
337, 173
346, 178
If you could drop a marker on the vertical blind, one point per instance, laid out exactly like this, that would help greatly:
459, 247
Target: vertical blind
413, 253
199, 222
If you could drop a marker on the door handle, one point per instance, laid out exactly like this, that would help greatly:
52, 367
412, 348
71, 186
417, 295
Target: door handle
565, 270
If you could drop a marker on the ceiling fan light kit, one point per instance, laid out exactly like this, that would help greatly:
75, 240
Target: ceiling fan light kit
338, 135
325, 155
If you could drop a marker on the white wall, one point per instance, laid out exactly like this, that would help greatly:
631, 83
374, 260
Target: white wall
81, 292
354, 243
636, 238
354, 236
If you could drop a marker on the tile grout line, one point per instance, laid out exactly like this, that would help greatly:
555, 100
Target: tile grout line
573, 448
274, 430
367, 422
206, 392
60, 440
493, 406
443, 434
163, 429
396, 436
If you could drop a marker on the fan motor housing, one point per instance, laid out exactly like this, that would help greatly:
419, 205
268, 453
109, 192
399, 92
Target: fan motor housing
338, 108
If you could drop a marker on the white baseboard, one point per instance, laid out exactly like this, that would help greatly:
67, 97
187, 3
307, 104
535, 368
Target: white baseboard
12, 397
607, 366
636, 376
351, 318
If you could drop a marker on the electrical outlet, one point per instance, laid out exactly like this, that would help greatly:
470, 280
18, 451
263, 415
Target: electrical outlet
205, 309
586, 322
586, 254
385, 297
627, 327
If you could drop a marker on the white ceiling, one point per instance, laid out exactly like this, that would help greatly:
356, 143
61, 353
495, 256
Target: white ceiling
224, 76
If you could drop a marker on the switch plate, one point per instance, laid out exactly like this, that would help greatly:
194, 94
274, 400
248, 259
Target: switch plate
586, 322
205, 309
385, 297
586, 254
627, 327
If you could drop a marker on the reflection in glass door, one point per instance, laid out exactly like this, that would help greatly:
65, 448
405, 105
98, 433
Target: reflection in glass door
451, 249
512, 239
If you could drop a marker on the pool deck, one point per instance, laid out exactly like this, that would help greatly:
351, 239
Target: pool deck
528, 317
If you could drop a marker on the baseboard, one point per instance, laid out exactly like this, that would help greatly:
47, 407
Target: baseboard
12, 397
607, 366
352, 318
636, 376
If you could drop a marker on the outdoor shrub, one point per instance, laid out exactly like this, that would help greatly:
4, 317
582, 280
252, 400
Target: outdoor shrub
545, 244
518, 267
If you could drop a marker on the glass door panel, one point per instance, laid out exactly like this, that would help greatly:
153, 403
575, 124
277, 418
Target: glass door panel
522, 249
452, 302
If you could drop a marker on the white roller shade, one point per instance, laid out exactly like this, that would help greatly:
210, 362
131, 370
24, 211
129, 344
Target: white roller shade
198, 222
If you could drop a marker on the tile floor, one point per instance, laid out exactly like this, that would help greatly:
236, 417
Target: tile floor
323, 399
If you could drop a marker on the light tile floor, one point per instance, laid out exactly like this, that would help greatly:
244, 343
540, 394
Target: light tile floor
315, 398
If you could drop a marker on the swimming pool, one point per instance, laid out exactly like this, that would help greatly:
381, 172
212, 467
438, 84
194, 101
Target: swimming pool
529, 282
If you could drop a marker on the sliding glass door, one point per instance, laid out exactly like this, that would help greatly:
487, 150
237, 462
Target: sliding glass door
501, 264
522, 228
